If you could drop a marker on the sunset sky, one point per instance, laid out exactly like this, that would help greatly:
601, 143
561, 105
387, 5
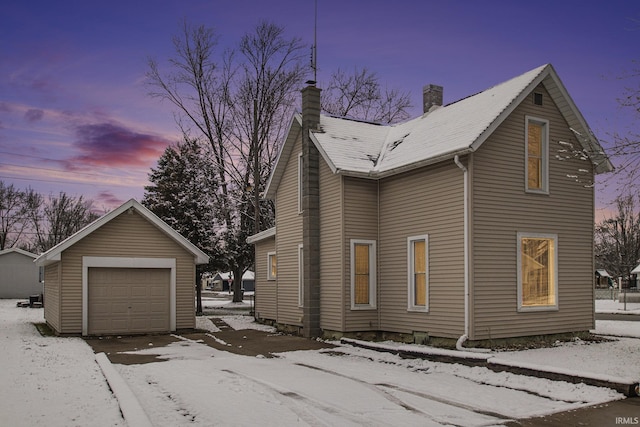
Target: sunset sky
75, 115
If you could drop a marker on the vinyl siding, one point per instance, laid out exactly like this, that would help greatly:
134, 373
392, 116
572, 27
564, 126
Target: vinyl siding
128, 235
331, 250
52, 295
427, 201
360, 222
289, 236
502, 208
266, 290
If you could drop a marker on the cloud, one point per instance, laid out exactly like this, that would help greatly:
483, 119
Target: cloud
34, 115
113, 145
108, 199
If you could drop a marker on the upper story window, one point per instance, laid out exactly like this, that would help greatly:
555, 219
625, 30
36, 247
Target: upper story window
537, 272
537, 155
272, 266
363, 274
418, 276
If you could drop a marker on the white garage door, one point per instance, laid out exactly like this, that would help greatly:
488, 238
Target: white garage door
128, 300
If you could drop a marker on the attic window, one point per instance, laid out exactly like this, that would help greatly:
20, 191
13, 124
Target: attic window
537, 98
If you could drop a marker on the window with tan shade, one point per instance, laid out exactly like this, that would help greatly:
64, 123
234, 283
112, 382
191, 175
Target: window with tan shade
537, 152
537, 272
363, 274
417, 250
272, 266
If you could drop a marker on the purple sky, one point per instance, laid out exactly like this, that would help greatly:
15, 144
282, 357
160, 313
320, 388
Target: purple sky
75, 115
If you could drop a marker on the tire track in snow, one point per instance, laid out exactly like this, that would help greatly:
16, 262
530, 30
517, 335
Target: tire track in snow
379, 388
295, 402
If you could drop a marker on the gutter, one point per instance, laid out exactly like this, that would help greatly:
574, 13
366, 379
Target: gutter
465, 335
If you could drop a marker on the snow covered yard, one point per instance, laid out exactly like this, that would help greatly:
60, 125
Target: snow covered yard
56, 382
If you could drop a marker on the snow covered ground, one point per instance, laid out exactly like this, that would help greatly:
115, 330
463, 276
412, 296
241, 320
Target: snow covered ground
57, 382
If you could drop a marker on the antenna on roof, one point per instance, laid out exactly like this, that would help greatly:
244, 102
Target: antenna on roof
314, 48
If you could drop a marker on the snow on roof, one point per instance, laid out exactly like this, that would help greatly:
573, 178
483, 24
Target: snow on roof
602, 272
367, 149
636, 270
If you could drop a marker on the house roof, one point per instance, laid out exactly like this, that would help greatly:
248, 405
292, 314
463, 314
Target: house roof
263, 235
602, 272
54, 254
636, 270
372, 150
18, 251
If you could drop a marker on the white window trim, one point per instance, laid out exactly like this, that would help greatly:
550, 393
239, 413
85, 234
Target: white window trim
270, 276
545, 155
372, 274
411, 303
300, 181
553, 237
300, 275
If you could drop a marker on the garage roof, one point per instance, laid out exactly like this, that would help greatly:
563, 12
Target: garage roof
54, 254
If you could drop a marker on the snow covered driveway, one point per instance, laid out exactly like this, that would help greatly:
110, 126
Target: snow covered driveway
49, 381
56, 382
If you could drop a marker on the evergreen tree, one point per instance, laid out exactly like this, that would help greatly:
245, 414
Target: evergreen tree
182, 194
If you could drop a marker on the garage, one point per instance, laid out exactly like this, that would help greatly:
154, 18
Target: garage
128, 300
127, 273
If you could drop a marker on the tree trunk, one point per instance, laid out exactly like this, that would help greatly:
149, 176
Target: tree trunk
237, 284
198, 292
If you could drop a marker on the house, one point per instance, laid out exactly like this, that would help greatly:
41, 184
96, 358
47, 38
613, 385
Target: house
19, 276
634, 280
126, 273
224, 282
603, 278
471, 222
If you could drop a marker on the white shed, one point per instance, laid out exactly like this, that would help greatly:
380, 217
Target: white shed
19, 275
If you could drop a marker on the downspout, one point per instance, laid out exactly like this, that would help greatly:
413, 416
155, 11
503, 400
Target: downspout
463, 338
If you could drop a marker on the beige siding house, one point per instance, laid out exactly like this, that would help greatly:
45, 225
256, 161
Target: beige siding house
471, 222
126, 273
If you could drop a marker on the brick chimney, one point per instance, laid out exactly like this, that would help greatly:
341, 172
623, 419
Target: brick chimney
431, 96
310, 212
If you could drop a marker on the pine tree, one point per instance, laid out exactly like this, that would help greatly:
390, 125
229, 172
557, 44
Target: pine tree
182, 194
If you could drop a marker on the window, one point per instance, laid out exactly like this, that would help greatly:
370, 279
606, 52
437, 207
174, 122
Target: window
300, 181
300, 275
418, 272
537, 152
537, 272
363, 274
537, 98
272, 266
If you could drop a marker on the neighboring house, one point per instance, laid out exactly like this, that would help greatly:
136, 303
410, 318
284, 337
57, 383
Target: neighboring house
224, 282
19, 276
603, 278
126, 273
473, 221
635, 277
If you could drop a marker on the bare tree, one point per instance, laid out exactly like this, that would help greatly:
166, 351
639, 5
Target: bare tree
59, 218
239, 102
359, 95
15, 219
617, 239
624, 147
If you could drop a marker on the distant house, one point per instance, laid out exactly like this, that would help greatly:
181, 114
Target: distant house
224, 282
472, 222
19, 276
635, 277
603, 279
126, 273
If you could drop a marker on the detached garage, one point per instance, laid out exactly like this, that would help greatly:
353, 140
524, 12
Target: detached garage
126, 273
